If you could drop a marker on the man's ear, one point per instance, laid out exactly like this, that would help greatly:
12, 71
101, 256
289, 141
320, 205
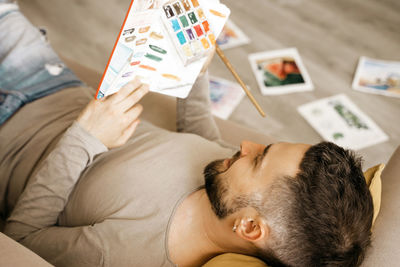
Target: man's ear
252, 230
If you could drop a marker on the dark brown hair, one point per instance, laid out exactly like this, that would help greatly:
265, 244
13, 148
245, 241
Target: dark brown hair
321, 217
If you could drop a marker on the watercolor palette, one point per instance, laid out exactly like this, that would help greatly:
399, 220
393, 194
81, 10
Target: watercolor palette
188, 27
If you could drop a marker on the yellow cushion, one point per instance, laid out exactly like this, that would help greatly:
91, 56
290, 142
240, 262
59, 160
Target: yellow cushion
234, 260
373, 179
374, 182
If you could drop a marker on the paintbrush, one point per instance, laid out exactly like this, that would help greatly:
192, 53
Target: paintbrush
234, 73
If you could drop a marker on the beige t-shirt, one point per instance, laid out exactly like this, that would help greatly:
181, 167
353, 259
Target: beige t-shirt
118, 203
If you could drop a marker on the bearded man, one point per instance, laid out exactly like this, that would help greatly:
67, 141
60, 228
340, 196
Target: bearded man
85, 183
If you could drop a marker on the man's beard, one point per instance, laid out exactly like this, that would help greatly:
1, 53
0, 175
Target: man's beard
216, 188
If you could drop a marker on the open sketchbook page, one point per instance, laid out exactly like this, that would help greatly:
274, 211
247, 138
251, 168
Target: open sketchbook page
145, 48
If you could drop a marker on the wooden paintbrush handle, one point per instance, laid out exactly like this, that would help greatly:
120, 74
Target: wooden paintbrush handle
234, 73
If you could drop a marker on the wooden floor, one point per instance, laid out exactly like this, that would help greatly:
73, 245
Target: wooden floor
330, 36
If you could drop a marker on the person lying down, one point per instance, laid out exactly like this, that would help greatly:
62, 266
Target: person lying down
86, 183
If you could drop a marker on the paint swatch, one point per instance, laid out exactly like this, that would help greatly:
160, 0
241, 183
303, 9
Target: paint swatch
189, 28
156, 36
139, 51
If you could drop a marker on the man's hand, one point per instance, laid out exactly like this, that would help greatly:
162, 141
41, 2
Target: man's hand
114, 119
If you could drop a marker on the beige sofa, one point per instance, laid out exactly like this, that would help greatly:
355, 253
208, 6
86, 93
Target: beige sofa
160, 110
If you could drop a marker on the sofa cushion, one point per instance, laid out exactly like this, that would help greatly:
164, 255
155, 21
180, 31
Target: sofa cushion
385, 249
16, 255
374, 182
234, 260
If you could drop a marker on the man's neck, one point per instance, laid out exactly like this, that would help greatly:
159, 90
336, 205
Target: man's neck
196, 235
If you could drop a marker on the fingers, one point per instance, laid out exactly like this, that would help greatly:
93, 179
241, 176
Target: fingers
125, 90
132, 120
134, 112
132, 99
129, 130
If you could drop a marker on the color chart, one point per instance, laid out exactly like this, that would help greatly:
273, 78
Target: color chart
189, 28
165, 47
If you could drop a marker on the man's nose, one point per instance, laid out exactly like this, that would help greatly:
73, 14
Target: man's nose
246, 147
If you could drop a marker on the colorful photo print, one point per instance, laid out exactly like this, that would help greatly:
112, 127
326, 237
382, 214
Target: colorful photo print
378, 77
337, 119
225, 97
231, 36
280, 72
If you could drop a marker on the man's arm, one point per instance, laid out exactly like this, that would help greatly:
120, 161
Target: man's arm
103, 123
32, 220
194, 114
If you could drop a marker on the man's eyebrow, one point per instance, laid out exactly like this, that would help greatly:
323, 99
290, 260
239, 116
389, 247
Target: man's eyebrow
259, 160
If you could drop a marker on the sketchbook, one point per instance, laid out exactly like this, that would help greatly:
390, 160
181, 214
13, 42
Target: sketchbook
165, 46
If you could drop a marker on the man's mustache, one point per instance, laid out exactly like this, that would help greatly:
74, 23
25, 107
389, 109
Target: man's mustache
236, 156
